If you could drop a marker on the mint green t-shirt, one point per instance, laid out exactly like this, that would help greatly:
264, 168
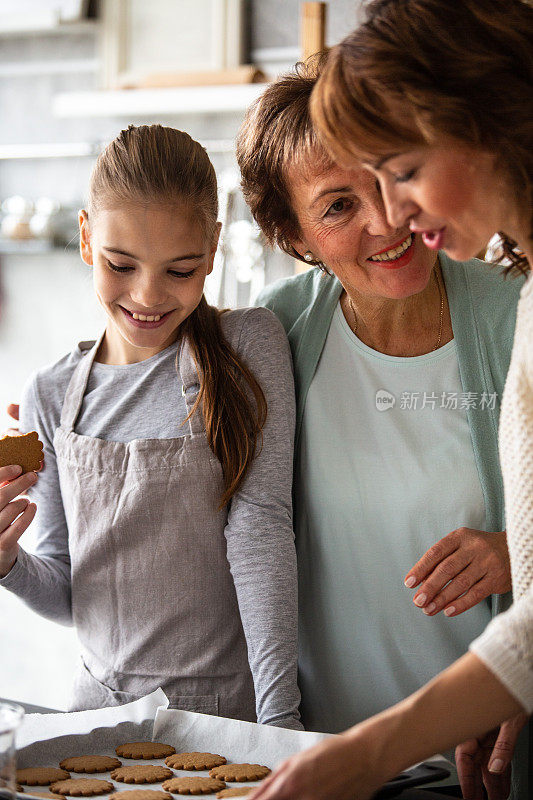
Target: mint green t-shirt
386, 468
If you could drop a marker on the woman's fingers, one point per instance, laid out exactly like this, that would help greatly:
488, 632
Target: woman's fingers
485, 763
13, 411
10, 535
278, 785
477, 566
15, 486
503, 750
9, 473
475, 595
468, 763
450, 569
11, 512
467, 589
425, 565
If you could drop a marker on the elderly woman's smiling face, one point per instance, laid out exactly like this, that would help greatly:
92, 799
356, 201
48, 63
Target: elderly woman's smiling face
342, 222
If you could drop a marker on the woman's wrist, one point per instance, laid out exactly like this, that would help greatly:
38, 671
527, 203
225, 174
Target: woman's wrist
386, 742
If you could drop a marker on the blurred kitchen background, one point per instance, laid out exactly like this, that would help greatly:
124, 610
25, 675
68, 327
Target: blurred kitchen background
72, 75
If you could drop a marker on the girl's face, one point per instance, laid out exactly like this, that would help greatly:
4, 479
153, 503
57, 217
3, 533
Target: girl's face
149, 266
450, 194
343, 223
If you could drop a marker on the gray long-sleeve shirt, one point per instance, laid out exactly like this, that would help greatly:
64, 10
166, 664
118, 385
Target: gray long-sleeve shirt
144, 401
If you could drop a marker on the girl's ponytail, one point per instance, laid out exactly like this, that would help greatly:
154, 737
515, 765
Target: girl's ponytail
234, 406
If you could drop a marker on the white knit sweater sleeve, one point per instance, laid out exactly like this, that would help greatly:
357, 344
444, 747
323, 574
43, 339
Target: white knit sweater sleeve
506, 646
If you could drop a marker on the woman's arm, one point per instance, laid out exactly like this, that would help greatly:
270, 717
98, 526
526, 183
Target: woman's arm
259, 531
40, 574
463, 702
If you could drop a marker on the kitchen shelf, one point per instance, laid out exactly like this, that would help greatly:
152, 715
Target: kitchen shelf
43, 24
141, 102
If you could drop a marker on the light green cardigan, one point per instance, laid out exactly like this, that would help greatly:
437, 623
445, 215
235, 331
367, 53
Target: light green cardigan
483, 313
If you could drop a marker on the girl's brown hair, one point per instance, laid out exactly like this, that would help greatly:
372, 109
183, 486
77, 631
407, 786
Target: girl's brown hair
155, 163
420, 69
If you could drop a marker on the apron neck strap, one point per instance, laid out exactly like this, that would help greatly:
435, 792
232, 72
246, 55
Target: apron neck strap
190, 386
78, 384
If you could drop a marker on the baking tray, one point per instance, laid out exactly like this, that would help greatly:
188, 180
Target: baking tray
50, 738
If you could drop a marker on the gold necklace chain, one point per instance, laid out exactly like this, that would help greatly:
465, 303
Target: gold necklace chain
441, 317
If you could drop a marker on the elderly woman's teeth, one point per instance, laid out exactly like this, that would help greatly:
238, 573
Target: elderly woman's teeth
395, 252
144, 318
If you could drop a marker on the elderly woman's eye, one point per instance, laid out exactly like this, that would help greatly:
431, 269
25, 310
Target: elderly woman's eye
337, 207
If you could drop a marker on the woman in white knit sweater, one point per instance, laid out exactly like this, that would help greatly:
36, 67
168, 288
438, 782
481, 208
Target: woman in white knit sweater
450, 139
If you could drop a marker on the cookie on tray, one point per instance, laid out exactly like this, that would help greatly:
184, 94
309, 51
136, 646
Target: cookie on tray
41, 776
196, 785
142, 794
90, 764
141, 773
82, 787
144, 750
236, 791
240, 772
194, 761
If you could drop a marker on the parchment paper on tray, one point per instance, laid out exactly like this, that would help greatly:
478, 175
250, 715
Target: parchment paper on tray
45, 739
236, 740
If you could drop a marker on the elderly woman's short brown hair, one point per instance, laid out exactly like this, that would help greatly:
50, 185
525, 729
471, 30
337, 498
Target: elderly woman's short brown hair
277, 133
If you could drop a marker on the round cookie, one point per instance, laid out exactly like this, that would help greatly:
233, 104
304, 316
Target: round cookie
41, 776
82, 787
142, 794
193, 785
195, 761
236, 791
90, 764
141, 773
240, 772
146, 750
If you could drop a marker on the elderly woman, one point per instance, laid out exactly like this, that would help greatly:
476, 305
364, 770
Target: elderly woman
400, 359
450, 138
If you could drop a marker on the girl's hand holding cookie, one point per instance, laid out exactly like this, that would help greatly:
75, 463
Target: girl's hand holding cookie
16, 513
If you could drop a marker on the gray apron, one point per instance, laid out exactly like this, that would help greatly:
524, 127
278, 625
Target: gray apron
153, 599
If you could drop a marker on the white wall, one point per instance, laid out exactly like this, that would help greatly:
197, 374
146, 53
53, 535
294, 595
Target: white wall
47, 306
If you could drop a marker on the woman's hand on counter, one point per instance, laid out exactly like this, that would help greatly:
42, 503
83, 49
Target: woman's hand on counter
16, 513
486, 761
330, 769
460, 570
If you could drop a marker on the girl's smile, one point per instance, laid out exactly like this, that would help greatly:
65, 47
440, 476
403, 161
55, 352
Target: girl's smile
149, 268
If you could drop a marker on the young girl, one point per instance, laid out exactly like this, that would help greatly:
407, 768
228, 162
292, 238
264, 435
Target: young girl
163, 530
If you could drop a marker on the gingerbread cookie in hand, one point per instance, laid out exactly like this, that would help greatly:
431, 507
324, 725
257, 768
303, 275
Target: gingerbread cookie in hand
26, 451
